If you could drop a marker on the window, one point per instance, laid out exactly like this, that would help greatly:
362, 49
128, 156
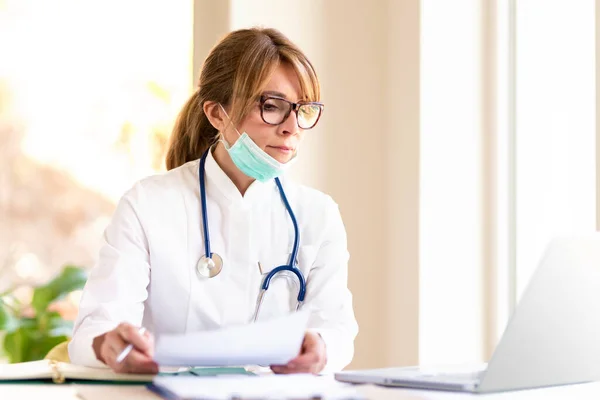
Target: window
87, 100
555, 126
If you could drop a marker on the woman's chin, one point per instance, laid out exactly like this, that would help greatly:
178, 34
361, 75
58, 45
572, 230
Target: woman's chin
282, 157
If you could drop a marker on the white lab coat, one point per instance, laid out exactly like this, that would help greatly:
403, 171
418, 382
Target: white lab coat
145, 274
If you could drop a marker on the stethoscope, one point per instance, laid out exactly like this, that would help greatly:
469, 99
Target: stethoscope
211, 264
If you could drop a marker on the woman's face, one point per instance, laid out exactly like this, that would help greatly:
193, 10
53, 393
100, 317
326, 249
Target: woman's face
279, 141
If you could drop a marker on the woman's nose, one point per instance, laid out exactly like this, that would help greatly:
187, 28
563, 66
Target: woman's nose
290, 125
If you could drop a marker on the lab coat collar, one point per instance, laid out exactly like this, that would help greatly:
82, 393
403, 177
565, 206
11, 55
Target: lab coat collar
216, 175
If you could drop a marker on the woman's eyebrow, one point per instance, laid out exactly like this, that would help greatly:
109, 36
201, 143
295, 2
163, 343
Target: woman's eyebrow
274, 93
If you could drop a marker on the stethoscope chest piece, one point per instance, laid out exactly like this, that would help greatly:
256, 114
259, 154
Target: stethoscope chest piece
209, 267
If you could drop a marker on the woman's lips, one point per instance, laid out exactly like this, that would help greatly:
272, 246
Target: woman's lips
283, 149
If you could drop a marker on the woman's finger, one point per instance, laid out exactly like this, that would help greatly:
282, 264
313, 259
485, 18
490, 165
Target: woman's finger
140, 363
305, 363
295, 369
115, 342
131, 334
305, 359
109, 354
282, 369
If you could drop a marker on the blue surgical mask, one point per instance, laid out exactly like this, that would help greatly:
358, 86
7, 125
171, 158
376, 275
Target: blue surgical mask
252, 160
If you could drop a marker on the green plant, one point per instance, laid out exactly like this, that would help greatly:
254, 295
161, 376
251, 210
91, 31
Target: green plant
31, 330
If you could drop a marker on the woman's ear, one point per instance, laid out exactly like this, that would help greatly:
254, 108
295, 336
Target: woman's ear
215, 115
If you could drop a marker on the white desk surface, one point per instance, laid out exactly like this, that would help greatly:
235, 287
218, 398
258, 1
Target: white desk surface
103, 392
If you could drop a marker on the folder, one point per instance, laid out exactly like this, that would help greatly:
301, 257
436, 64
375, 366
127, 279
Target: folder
296, 386
59, 372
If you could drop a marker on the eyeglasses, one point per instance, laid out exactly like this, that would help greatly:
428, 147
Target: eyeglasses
275, 110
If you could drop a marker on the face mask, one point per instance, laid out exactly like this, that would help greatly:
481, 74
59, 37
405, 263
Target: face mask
252, 160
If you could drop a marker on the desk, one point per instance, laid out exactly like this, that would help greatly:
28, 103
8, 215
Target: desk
103, 392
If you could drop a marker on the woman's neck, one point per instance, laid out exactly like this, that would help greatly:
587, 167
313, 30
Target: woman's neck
239, 179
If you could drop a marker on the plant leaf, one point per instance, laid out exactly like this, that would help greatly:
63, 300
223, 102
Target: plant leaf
39, 348
71, 278
28, 343
52, 324
15, 345
8, 322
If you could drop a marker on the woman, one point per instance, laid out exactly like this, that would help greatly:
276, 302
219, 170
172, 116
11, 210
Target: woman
257, 96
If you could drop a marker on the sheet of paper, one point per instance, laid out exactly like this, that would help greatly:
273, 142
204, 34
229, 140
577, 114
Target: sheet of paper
298, 386
26, 370
276, 341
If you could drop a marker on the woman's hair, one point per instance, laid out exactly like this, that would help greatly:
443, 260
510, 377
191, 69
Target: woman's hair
235, 74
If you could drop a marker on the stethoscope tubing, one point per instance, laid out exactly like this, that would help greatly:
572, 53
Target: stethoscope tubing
291, 266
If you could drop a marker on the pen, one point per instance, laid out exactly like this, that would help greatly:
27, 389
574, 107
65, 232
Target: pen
129, 347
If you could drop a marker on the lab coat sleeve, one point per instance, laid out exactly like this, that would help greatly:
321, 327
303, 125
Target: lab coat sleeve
117, 285
327, 294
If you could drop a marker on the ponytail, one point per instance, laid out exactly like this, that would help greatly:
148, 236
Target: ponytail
192, 134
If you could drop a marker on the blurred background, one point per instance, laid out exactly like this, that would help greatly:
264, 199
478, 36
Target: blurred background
458, 138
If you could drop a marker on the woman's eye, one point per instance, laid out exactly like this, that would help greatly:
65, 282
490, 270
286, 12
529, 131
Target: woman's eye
270, 107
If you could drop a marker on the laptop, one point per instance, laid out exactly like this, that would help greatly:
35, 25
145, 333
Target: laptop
552, 338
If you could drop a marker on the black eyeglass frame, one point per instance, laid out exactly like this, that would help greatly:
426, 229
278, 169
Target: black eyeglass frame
293, 107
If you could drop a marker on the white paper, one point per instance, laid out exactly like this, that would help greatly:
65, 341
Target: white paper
299, 386
272, 342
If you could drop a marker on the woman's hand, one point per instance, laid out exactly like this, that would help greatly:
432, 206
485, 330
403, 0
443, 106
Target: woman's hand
312, 357
109, 345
